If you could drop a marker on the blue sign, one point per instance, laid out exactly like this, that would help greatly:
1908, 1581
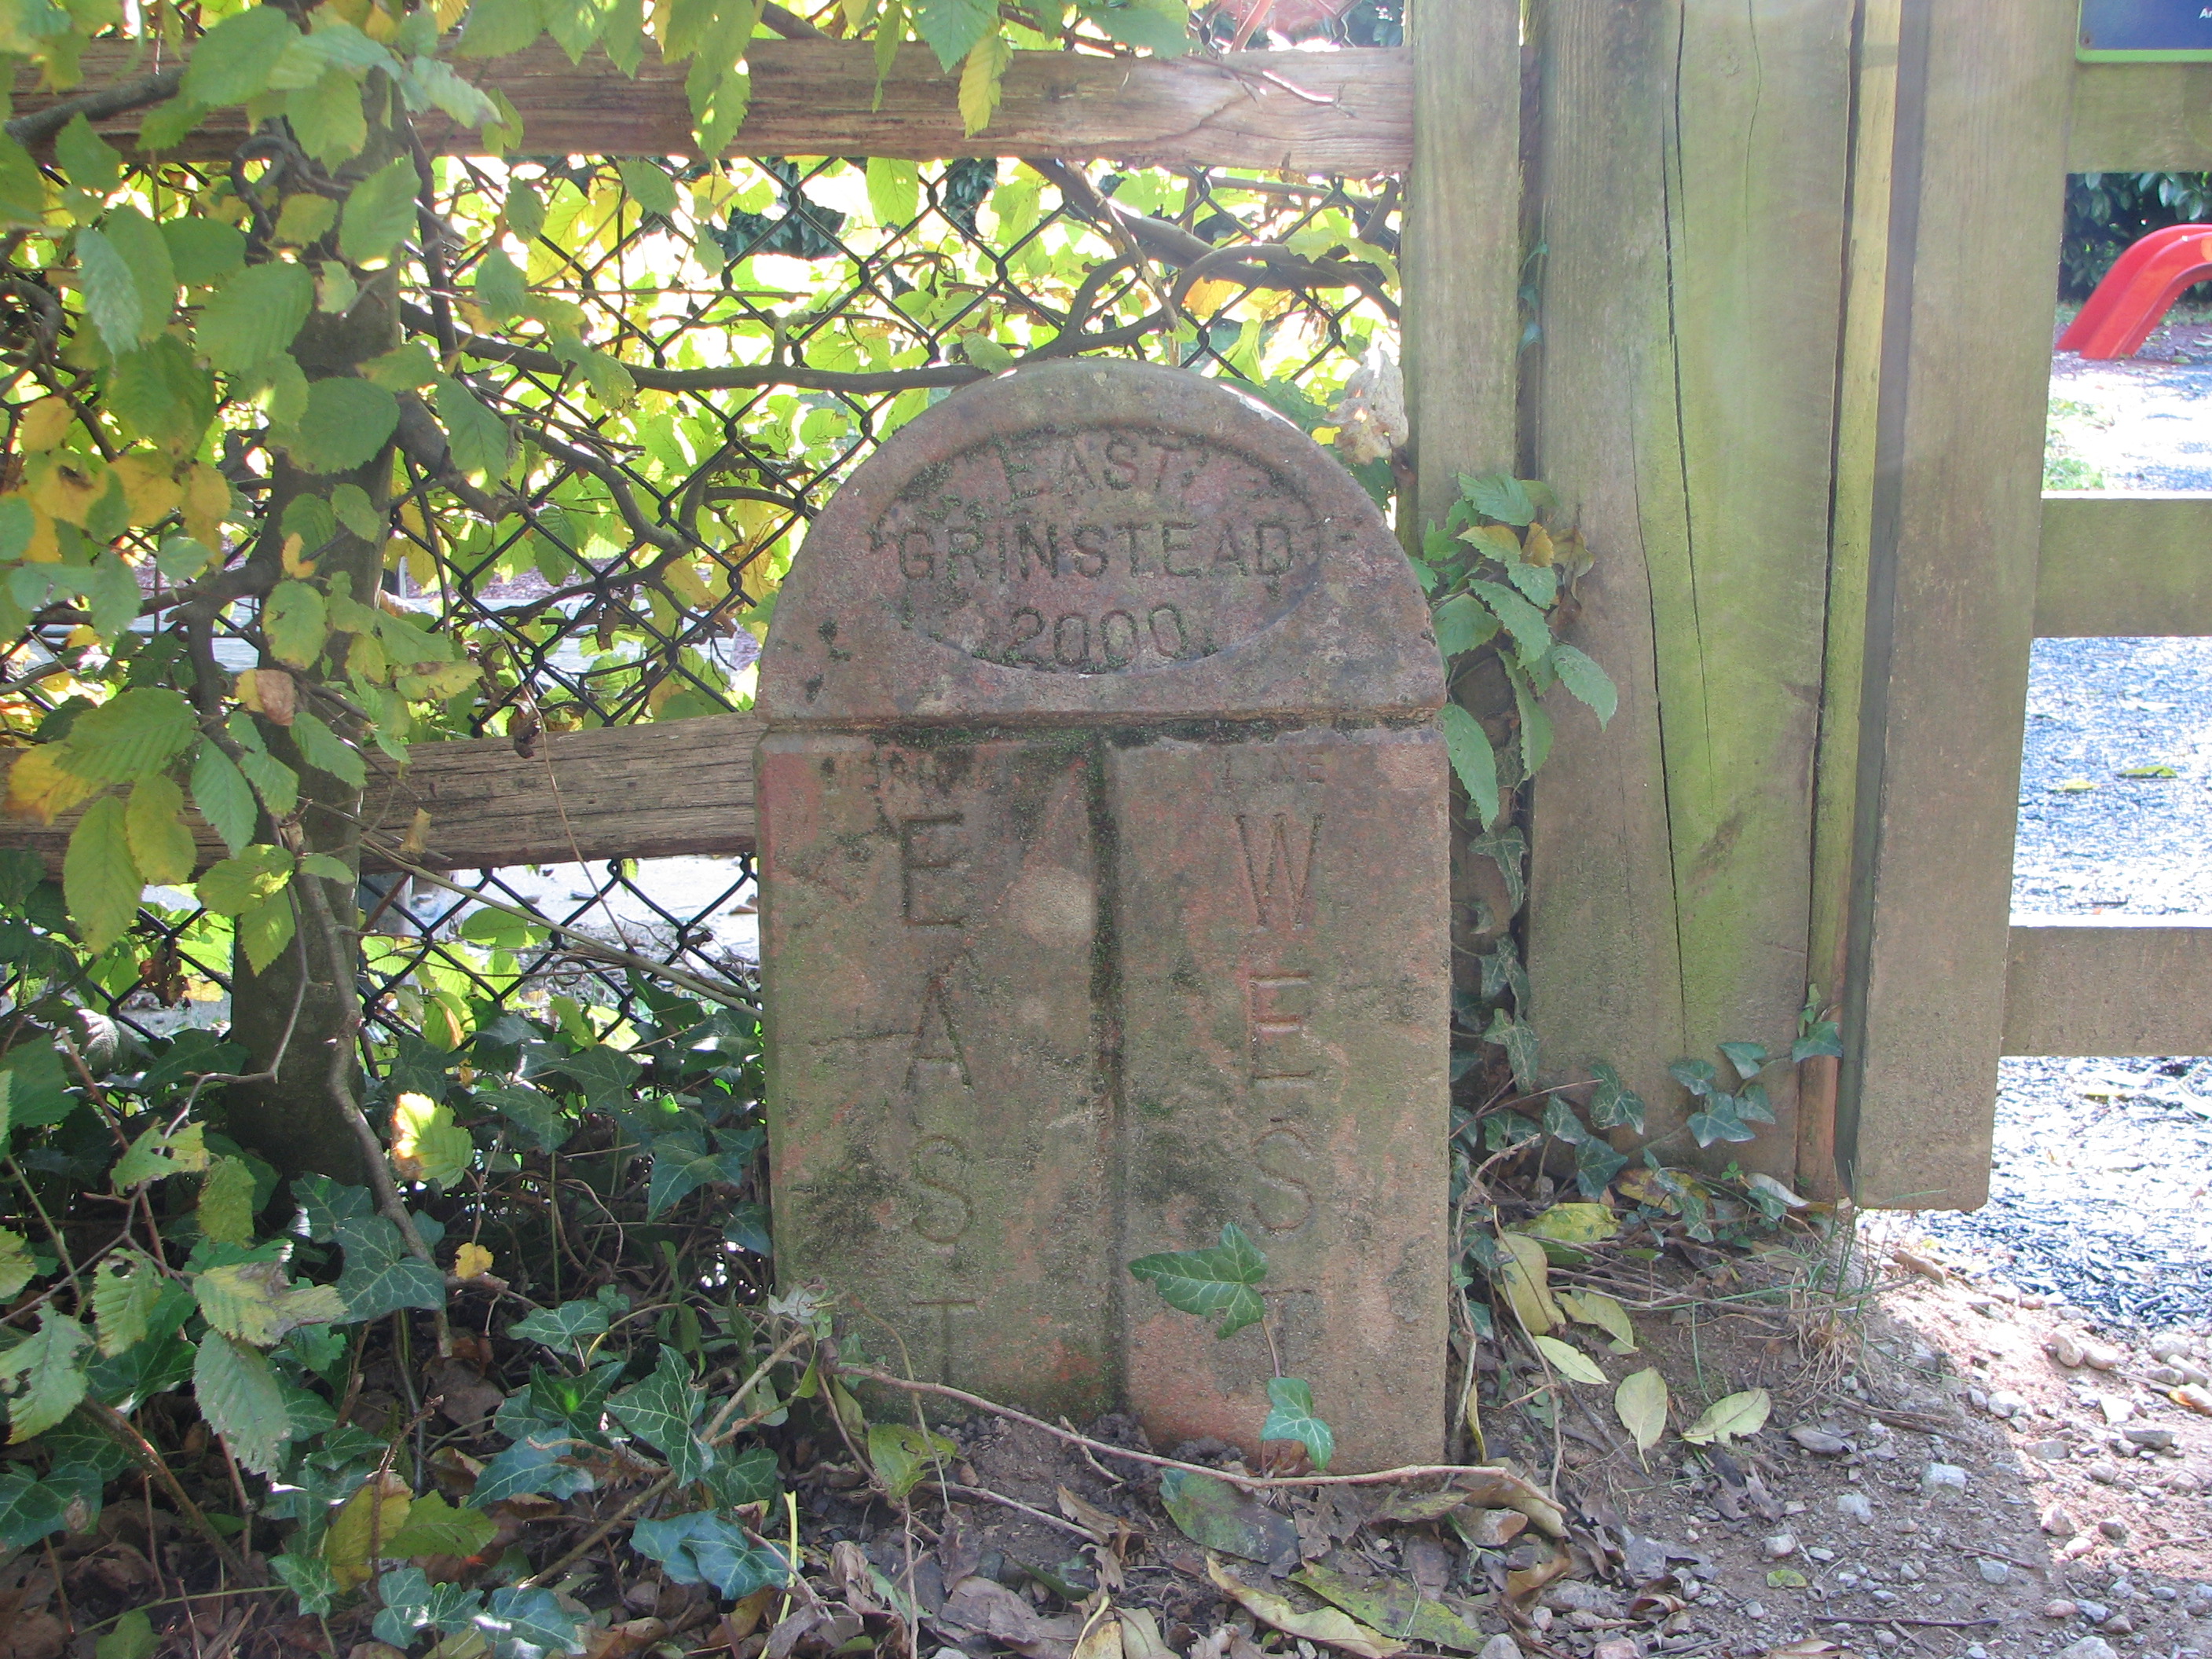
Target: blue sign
2145, 30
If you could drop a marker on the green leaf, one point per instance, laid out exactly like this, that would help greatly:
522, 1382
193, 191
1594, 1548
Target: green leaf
682, 1164
161, 846
1749, 1058
893, 190
37, 1088
1535, 723
571, 1324
1732, 1418
434, 1527
1519, 1039
157, 1154
1291, 1417
98, 878
232, 886
413, 1604
496, 27
528, 1623
1219, 1280
704, 1547
952, 27
1826, 1037
381, 1276
226, 1206
255, 1302
203, 251
45, 1375
233, 61
146, 251
131, 1637
1494, 495
239, 1396
160, 394
278, 783
327, 118
1568, 1361
461, 101
648, 184
30, 1509
1640, 1403
501, 290
253, 316
17, 1266
1596, 1308
660, 1411
1472, 759
1614, 1105
379, 213
294, 622
535, 1464
347, 422
1532, 634
1462, 622
110, 292
983, 79
1586, 681
1213, 1513
124, 1289
219, 793
1159, 27
902, 1454
478, 438
537, 1113
326, 751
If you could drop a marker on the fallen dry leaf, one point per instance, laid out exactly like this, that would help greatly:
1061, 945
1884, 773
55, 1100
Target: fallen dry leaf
1324, 1624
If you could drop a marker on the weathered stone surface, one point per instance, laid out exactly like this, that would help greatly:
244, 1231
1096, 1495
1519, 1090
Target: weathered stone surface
1104, 900
1085, 539
1282, 946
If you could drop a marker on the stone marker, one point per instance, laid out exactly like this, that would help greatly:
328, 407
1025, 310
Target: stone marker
1104, 876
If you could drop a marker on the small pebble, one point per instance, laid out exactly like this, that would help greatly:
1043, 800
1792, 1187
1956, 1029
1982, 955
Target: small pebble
2100, 1356
2060, 1608
1501, 1647
2063, 1349
2152, 1439
1856, 1506
1819, 1441
1820, 1554
1754, 1609
2104, 1470
2058, 1520
2095, 1612
1943, 1477
1781, 1546
2198, 1602
1995, 1572
2003, 1402
2120, 1625
1885, 1638
2117, 1532
2089, 1647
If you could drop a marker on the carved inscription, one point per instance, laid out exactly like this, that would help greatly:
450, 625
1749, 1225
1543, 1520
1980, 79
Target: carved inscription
933, 859
1100, 551
1280, 851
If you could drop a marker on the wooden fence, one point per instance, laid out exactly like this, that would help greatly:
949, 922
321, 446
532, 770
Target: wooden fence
1796, 269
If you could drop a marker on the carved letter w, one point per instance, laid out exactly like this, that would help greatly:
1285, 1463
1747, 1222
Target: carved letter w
1281, 877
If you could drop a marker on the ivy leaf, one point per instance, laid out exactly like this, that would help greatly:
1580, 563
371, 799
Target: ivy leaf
381, 1276
326, 751
233, 61
379, 214
532, 1466
983, 79
1696, 1076
220, 793
30, 1509
478, 439
254, 315
1826, 1037
705, 1547
45, 1375
660, 1411
1613, 1104
902, 1454
1519, 1040
161, 846
1473, 759
1749, 1058
681, 1166
1219, 1280
98, 878
294, 622
529, 1623
569, 1326
412, 1603
346, 423
952, 27
1291, 1417
139, 731
1719, 1120
1595, 1165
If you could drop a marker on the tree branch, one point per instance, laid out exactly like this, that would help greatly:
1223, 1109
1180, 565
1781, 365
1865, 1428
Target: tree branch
42, 125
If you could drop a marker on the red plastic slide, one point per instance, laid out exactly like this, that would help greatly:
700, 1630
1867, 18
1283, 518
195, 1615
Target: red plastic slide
2137, 290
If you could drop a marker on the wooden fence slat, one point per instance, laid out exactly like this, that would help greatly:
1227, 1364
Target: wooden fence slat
2109, 985
1974, 226
1692, 296
648, 791
2134, 118
2119, 563
1348, 113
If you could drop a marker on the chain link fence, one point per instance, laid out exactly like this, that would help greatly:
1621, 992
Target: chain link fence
717, 347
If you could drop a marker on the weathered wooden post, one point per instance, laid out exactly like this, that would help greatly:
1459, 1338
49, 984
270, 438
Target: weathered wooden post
1103, 876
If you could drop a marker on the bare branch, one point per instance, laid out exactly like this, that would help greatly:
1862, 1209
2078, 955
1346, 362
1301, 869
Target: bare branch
134, 93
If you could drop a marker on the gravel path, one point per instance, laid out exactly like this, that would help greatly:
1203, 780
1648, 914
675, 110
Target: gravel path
2101, 1192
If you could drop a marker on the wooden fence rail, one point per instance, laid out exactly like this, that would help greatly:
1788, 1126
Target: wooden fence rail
1348, 113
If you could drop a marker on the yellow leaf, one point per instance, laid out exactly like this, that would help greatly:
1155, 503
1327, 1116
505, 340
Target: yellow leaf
67, 487
1596, 1308
471, 1260
270, 692
1640, 1403
44, 425
1568, 1361
1572, 1224
983, 79
370, 1517
1209, 295
1726, 1418
1524, 1273
46, 547
39, 787
161, 846
294, 545
1537, 549
1327, 1625
206, 503
427, 1145
684, 581
149, 489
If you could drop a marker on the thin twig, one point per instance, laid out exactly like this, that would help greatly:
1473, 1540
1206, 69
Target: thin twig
122, 1429
958, 1490
1929, 1624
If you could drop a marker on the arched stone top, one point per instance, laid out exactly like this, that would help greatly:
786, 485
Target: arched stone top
1086, 541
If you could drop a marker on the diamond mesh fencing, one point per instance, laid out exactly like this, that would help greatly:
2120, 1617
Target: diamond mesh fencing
692, 359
